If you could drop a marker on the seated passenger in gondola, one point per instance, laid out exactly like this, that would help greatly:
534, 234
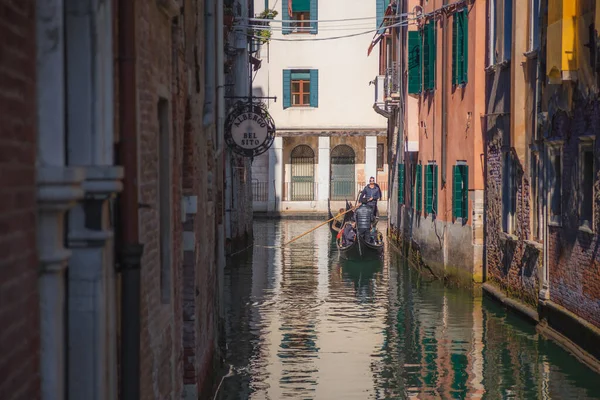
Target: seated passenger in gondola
348, 234
364, 219
339, 219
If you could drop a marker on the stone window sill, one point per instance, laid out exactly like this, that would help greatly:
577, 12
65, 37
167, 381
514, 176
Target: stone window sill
508, 237
586, 229
556, 224
536, 245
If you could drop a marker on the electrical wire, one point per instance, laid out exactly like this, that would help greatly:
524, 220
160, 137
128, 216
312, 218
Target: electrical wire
402, 24
326, 20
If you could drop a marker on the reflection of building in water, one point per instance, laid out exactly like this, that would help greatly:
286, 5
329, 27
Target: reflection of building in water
294, 333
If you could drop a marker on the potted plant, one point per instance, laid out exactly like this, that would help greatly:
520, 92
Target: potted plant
263, 35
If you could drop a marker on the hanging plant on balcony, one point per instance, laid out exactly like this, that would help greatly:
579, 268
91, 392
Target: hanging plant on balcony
228, 17
263, 35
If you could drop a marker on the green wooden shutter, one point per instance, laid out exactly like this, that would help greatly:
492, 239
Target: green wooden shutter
457, 192
434, 189
314, 15
380, 12
455, 50
414, 62
429, 50
429, 189
285, 16
400, 183
465, 193
459, 47
465, 45
419, 188
287, 88
314, 88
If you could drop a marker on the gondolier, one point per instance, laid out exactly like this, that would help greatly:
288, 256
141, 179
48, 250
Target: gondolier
364, 219
372, 193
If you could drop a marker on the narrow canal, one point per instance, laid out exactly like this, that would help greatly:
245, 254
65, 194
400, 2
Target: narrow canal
303, 324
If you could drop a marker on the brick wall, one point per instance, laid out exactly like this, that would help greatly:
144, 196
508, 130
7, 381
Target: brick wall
574, 259
19, 337
161, 321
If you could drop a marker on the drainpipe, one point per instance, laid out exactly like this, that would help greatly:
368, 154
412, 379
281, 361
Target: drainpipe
445, 96
130, 250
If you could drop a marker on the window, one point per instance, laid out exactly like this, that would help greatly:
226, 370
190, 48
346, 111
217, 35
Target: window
500, 34
534, 24
414, 62
419, 188
164, 192
555, 182
460, 194
380, 12
380, 156
460, 47
535, 197
586, 182
300, 88
296, 15
400, 183
509, 192
429, 49
431, 186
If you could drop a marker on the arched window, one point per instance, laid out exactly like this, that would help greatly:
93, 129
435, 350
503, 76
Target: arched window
303, 173
343, 183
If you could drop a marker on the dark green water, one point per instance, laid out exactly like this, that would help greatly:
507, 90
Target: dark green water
303, 324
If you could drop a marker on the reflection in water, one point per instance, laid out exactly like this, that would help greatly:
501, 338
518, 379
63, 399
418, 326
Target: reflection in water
304, 324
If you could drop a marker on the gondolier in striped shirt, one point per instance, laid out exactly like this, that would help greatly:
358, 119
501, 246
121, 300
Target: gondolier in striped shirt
372, 193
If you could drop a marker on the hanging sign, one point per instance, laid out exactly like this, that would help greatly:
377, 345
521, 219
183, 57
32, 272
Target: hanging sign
249, 129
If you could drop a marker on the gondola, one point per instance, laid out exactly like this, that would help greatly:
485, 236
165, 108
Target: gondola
360, 249
334, 225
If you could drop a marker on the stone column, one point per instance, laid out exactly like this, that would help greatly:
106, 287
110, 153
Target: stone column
324, 179
370, 157
58, 189
92, 290
276, 175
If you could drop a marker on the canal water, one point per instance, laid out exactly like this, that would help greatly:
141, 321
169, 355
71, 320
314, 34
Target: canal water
303, 324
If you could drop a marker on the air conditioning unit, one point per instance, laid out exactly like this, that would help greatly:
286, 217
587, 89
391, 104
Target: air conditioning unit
380, 91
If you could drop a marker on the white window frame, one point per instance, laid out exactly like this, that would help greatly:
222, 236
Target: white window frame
509, 210
534, 26
492, 32
586, 144
554, 148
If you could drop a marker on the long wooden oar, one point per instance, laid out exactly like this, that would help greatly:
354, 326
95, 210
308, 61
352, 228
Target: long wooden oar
318, 226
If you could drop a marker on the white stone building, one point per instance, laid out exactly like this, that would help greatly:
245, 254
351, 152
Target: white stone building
329, 141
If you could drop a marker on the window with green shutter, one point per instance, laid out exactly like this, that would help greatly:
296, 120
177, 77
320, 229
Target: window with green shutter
300, 88
431, 187
400, 183
460, 47
414, 61
419, 188
460, 191
429, 52
296, 14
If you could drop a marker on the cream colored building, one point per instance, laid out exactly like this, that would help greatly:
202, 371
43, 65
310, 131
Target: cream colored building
329, 141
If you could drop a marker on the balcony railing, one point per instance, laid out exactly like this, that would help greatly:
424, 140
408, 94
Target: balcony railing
300, 191
260, 191
392, 82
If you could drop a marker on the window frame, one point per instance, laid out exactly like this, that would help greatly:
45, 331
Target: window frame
428, 51
460, 36
431, 207
509, 198
300, 27
586, 145
401, 183
533, 43
301, 93
380, 156
535, 197
555, 148
418, 206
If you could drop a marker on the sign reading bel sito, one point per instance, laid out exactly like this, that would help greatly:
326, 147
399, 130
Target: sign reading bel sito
249, 129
